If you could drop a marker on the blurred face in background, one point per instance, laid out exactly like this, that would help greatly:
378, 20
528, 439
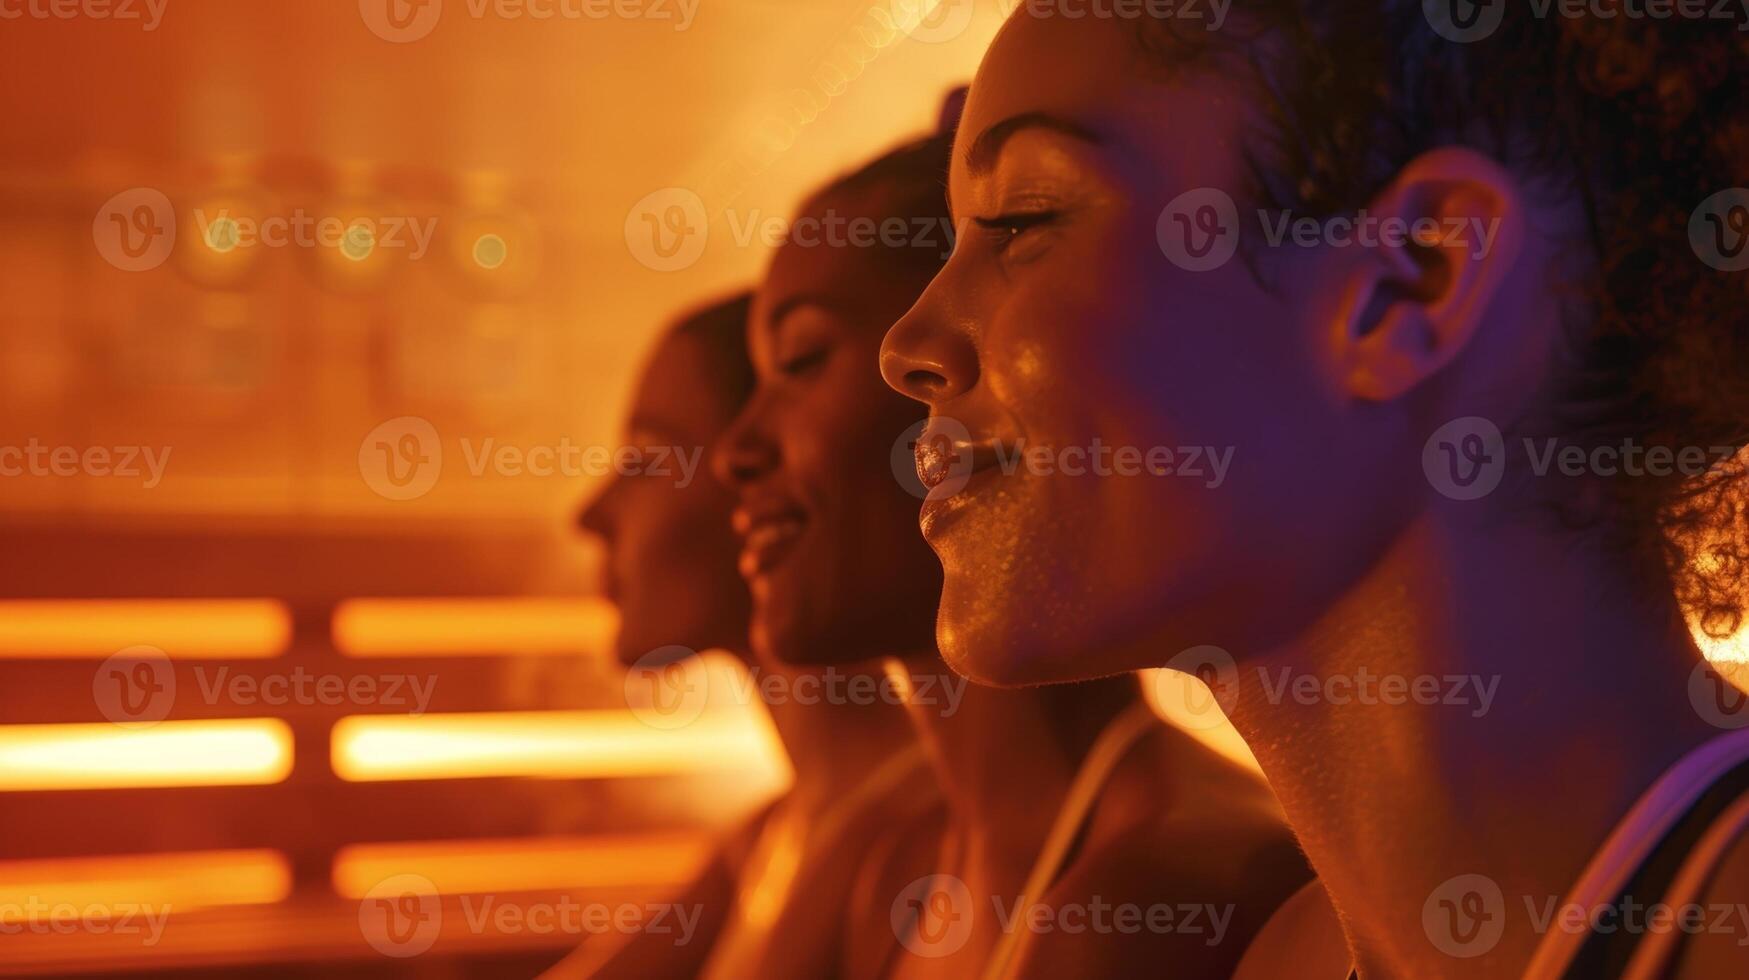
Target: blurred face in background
670, 563
831, 551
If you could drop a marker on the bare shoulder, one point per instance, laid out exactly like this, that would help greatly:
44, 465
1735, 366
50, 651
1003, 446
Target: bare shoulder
1303, 938
1186, 859
1153, 895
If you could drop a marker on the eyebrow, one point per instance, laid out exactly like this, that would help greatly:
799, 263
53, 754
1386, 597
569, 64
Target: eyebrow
981, 155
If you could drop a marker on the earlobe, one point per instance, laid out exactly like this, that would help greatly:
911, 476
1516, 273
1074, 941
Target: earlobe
1450, 229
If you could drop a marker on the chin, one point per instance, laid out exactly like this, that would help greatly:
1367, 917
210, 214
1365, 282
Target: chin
997, 635
983, 646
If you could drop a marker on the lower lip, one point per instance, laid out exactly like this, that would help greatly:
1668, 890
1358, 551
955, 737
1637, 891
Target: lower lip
940, 513
770, 551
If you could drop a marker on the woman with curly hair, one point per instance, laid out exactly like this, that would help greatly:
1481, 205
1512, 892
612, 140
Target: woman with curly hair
1457, 291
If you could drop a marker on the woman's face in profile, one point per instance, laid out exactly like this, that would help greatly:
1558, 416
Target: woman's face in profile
1186, 478
831, 551
670, 564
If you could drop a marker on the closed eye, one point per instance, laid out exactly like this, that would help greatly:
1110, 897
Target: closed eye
804, 362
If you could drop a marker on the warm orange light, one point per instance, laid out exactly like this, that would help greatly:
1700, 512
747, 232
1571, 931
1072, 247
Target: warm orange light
547, 863
558, 744
191, 628
1171, 692
473, 625
230, 752
177, 882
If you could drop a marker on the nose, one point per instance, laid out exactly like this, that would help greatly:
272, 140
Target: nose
597, 515
925, 356
744, 452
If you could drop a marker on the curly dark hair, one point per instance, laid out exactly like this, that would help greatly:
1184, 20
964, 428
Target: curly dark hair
1643, 118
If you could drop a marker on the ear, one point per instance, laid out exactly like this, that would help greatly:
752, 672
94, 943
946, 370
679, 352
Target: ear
1444, 238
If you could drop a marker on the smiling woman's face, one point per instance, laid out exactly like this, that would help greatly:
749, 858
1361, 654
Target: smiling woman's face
670, 563
1061, 326
831, 550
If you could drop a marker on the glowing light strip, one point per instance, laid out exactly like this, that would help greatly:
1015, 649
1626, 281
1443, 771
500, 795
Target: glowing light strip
229, 752
1171, 693
178, 882
182, 628
539, 864
556, 744
429, 627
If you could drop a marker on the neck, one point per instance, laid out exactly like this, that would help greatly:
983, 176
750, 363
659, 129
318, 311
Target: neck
1005, 757
1571, 691
834, 743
